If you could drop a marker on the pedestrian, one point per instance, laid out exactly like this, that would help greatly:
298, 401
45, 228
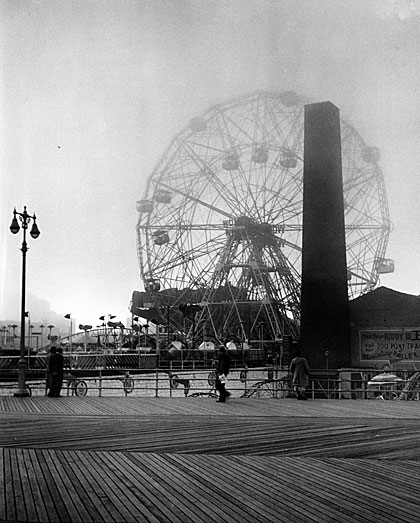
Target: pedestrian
222, 371
55, 371
299, 369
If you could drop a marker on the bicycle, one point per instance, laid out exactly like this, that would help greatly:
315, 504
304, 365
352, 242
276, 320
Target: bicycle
77, 387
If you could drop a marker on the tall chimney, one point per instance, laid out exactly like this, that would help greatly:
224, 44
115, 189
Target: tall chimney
325, 327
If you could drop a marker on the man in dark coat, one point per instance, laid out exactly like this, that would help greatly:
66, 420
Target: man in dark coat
55, 371
222, 370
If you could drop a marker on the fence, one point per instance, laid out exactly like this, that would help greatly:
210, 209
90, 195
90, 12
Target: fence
157, 383
262, 382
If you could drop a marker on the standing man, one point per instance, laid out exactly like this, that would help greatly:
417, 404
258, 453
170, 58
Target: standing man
55, 371
222, 370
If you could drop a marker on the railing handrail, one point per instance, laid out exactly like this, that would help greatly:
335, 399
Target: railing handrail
256, 381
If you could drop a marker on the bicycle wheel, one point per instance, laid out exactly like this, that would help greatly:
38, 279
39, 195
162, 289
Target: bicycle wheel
173, 381
81, 388
211, 379
128, 385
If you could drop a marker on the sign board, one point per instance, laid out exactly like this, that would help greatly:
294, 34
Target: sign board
390, 344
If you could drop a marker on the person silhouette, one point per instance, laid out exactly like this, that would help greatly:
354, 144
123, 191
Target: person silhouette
55, 371
299, 369
222, 370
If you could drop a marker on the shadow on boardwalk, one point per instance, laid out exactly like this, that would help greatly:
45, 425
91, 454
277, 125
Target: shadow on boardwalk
192, 460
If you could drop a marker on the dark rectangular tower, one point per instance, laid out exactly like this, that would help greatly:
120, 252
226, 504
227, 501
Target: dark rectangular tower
325, 307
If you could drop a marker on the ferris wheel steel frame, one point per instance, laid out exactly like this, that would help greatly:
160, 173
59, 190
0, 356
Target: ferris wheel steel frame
221, 215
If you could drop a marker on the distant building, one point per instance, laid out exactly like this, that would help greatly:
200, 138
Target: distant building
385, 330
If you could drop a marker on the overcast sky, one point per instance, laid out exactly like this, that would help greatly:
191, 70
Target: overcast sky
93, 91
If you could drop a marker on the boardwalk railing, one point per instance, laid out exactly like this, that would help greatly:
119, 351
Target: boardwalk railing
262, 382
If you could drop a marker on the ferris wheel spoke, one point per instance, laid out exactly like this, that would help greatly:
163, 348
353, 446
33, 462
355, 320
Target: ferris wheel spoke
225, 137
178, 262
189, 145
224, 220
276, 134
198, 201
226, 195
229, 124
361, 279
292, 204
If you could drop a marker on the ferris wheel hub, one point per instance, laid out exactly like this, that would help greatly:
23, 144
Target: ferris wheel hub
220, 220
247, 228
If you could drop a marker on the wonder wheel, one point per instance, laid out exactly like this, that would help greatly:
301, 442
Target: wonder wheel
220, 220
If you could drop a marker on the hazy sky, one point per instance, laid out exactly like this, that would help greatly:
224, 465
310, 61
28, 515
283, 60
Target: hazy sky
93, 91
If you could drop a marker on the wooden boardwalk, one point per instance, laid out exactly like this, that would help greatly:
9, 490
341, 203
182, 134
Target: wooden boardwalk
192, 460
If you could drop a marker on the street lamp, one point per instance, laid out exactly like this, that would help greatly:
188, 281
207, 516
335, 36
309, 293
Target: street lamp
104, 325
50, 328
25, 219
14, 327
42, 327
68, 317
9, 326
85, 328
31, 328
5, 331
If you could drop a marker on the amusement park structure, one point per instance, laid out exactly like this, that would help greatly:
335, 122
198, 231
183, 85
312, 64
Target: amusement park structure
220, 222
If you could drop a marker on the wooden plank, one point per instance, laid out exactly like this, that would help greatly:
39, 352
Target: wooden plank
3, 483
120, 505
62, 488
194, 496
335, 438
45, 503
250, 491
50, 495
37, 489
309, 493
285, 408
335, 492
195, 434
395, 484
98, 492
168, 511
92, 504
271, 461
9, 491
27, 498
150, 491
370, 500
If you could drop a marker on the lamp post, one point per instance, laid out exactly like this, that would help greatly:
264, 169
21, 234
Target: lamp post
85, 328
25, 219
5, 331
102, 318
9, 326
42, 327
68, 317
50, 328
28, 315
31, 328
14, 327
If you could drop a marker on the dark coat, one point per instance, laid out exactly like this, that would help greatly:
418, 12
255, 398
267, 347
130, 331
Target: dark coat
56, 365
300, 371
223, 364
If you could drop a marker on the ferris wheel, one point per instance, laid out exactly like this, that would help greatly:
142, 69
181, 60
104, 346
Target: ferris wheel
220, 220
